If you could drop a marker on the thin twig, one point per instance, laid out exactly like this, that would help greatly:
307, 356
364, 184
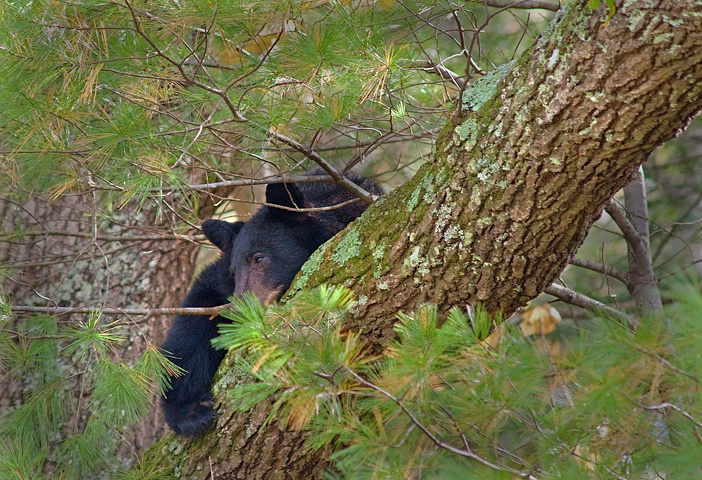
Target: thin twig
432, 67
672, 406
205, 311
339, 179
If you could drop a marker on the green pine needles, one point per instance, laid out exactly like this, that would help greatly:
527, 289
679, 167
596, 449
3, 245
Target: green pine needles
81, 399
446, 401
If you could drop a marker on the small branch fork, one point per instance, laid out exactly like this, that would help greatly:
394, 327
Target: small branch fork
640, 279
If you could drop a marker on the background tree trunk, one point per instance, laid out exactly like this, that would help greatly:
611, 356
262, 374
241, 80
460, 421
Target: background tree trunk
72, 259
520, 172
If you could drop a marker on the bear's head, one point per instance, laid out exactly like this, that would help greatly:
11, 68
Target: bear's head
267, 251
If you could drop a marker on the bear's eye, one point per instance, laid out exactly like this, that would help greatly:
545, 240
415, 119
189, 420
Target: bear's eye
258, 258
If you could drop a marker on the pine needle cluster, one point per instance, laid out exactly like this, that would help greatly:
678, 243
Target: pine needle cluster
80, 398
128, 97
448, 400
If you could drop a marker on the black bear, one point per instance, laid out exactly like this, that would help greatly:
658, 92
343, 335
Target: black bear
262, 256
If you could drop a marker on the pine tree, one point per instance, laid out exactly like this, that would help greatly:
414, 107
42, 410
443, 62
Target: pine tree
125, 124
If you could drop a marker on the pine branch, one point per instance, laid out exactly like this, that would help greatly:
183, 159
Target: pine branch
458, 451
309, 153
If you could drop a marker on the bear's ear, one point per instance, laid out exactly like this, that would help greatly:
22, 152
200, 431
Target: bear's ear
221, 233
286, 195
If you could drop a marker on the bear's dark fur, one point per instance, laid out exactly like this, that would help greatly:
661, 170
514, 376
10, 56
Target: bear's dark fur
188, 405
262, 256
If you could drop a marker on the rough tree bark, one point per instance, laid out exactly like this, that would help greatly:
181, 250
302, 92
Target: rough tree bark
520, 172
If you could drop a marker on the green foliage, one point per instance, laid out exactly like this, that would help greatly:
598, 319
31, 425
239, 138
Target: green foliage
128, 97
58, 432
304, 334
447, 401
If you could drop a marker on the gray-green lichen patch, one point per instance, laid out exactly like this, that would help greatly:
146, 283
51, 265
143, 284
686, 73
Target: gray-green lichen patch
453, 232
349, 247
175, 447
413, 259
429, 188
635, 18
483, 89
414, 198
468, 132
496, 129
673, 22
553, 60
588, 129
475, 197
486, 169
663, 37
594, 97
379, 256
443, 214
415, 262
309, 267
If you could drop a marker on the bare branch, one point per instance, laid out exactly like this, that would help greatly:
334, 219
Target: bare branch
630, 234
109, 238
244, 182
599, 268
441, 71
579, 300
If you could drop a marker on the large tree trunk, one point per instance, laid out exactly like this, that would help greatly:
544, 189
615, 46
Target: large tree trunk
520, 172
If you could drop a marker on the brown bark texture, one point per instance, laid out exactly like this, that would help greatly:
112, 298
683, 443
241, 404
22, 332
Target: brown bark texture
519, 174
